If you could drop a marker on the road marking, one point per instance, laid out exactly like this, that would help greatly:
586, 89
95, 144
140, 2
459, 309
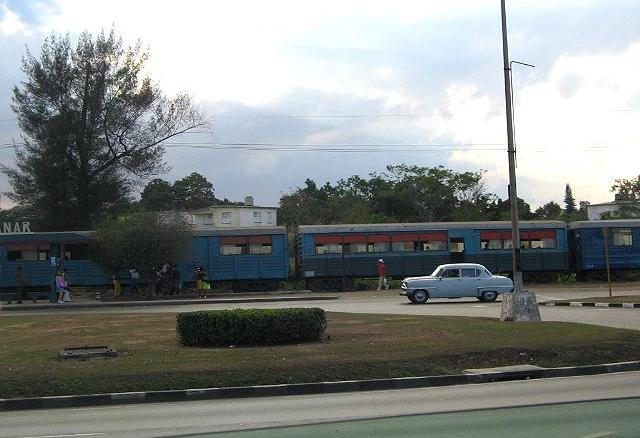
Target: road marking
478, 305
68, 435
599, 434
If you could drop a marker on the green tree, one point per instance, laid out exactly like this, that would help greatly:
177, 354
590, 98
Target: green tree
550, 210
157, 196
194, 191
627, 195
92, 124
142, 241
569, 200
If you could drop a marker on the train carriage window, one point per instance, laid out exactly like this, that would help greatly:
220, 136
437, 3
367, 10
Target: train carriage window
233, 245
404, 246
379, 247
622, 237
328, 248
26, 251
260, 245
355, 247
75, 251
434, 245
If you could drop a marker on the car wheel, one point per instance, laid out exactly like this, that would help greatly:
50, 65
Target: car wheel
420, 296
489, 296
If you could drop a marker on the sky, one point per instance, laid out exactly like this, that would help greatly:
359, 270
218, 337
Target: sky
340, 88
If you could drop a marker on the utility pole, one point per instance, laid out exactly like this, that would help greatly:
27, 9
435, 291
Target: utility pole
521, 305
513, 192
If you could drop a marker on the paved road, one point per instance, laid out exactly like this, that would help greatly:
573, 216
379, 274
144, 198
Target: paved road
390, 302
611, 418
170, 419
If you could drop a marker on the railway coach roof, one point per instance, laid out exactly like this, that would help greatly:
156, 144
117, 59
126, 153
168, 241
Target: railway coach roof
488, 225
46, 235
240, 231
605, 223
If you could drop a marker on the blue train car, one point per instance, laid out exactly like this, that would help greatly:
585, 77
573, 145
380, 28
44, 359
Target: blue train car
250, 258
34, 252
330, 255
587, 242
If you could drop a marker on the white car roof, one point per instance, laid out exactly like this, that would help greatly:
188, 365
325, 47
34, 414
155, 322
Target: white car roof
462, 266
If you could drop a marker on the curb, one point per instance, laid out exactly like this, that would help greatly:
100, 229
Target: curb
307, 388
116, 304
590, 304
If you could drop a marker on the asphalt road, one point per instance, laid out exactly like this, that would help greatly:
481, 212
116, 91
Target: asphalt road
610, 418
390, 302
171, 419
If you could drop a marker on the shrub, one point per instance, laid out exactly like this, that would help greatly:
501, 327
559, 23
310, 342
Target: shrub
250, 327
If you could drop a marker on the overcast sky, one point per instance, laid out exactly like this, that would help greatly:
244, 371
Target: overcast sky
409, 82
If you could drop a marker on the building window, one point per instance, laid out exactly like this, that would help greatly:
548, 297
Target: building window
270, 217
226, 217
622, 237
257, 217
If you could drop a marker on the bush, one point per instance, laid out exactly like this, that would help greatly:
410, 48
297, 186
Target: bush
250, 327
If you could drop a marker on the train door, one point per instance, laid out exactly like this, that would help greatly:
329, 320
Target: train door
456, 249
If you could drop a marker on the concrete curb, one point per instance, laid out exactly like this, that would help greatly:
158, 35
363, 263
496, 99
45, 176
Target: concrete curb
589, 304
117, 304
307, 388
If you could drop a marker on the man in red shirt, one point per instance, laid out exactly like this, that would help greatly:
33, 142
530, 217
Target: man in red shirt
382, 275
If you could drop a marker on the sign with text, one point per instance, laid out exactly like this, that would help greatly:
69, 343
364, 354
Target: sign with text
15, 228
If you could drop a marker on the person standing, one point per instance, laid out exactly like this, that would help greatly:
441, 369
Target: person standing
382, 275
117, 288
20, 284
61, 286
135, 278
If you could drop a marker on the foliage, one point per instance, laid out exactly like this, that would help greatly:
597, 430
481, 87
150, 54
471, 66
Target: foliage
250, 326
92, 124
627, 193
550, 211
402, 193
140, 240
569, 200
191, 192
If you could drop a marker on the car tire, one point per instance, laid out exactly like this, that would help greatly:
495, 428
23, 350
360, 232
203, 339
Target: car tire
488, 296
420, 296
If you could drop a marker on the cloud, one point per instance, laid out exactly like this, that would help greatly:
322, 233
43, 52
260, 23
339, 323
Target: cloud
10, 24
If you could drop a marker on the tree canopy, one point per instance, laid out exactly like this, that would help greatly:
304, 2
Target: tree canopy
92, 123
142, 241
627, 193
191, 192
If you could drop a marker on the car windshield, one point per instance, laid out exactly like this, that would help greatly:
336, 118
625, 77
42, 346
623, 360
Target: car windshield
437, 272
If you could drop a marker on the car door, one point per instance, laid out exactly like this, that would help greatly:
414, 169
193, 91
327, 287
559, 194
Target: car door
469, 282
450, 283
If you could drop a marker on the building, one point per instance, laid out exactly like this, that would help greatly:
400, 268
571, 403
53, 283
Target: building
233, 216
606, 210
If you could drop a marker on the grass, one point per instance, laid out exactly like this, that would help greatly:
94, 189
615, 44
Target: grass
354, 347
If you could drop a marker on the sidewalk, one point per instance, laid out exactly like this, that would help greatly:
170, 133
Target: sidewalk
87, 303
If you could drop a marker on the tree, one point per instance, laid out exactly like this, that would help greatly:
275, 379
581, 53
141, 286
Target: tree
402, 193
194, 191
157, 196
142, 241
569, 201
92, 124
627, 195
550, 210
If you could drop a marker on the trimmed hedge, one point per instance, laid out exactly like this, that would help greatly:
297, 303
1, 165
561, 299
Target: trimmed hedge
250, 327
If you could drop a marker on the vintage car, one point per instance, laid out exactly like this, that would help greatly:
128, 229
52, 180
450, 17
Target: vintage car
455, 281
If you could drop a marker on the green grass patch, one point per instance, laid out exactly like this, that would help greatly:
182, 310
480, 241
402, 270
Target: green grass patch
355, 346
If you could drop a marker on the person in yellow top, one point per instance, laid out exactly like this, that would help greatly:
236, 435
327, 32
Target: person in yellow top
117, 288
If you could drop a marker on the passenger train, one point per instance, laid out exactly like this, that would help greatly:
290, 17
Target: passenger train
333, 256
